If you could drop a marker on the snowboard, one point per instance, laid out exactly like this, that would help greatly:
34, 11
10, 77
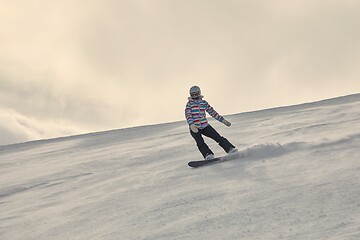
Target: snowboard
200, 163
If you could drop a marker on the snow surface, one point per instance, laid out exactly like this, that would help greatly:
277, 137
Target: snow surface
298, 178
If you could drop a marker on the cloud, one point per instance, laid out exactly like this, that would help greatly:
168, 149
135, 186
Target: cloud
112, 64
16, 127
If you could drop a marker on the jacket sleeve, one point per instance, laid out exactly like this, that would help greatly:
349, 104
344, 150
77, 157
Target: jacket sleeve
188, 115
213, 113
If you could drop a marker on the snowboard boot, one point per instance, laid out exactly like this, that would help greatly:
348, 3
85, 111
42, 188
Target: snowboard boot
209, 156
233, 150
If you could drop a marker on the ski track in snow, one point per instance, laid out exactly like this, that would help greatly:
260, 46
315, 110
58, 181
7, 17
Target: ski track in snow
296, 177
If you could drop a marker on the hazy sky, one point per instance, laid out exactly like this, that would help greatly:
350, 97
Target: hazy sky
74, 66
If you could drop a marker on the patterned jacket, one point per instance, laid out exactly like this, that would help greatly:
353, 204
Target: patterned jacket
195, 113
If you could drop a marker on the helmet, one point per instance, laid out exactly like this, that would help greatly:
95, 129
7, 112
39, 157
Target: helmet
195, 91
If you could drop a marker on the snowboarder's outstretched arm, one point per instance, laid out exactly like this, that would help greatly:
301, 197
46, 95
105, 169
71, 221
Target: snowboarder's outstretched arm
213, 113
216, 115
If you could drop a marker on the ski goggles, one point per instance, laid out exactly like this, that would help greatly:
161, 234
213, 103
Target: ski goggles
195, 94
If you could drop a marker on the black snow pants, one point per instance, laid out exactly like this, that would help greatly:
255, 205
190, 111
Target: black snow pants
210, 132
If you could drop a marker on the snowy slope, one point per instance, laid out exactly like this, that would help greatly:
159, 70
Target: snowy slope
298, 178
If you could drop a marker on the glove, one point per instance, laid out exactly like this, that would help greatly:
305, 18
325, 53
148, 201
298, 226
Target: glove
194, 128
227, 123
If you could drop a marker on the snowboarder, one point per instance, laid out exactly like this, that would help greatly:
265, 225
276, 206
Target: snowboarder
195, 113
